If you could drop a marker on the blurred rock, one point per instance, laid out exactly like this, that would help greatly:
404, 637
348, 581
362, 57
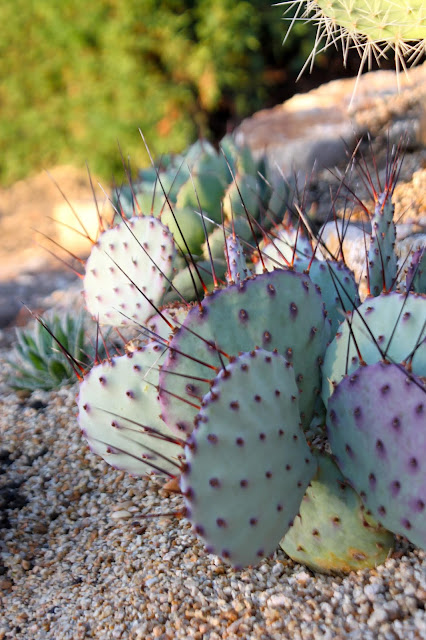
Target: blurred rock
317, 128
29, 273
76, 226
354, 239
27, 212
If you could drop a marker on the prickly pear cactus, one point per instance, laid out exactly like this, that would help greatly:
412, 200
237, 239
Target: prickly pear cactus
381, 260
280, 310
247, 445
333, 531
119, 414
223, 394
377, 430
128, 270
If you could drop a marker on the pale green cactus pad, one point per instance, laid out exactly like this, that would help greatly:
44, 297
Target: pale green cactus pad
237, 265
115, 400
247, 461
382, 260
127, 270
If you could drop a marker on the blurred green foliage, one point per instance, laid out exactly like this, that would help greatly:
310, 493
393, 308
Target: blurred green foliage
77, 76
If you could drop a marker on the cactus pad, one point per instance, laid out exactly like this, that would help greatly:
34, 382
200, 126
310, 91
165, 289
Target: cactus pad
334, 532
205, 186
416, 272
127, 269
241, 195
113, 397
280, 310
376, 422
247, 461
237, 265
186, 223
382, 261
338, 287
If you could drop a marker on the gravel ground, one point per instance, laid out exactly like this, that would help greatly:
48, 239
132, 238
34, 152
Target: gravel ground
78, 561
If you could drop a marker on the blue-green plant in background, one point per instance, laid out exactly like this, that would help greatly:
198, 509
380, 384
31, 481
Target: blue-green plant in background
50, 354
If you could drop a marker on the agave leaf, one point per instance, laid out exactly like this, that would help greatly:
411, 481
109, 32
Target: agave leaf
37, 361
59, 370
27, 381
25, 341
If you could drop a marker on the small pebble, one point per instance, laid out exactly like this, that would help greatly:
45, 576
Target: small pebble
123, 514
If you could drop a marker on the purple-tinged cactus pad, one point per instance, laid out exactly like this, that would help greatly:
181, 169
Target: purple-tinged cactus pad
247, 460
333, 531
396, 326
115, 399
127, 268
377, 429
281, 310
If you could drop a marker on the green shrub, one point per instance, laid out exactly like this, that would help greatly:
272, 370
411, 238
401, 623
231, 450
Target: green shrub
76, 77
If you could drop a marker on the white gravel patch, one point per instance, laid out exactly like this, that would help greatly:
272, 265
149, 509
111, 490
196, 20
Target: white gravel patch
76, 562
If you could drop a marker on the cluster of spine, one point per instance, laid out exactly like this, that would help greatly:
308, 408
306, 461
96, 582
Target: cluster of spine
219, 393
372, 27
